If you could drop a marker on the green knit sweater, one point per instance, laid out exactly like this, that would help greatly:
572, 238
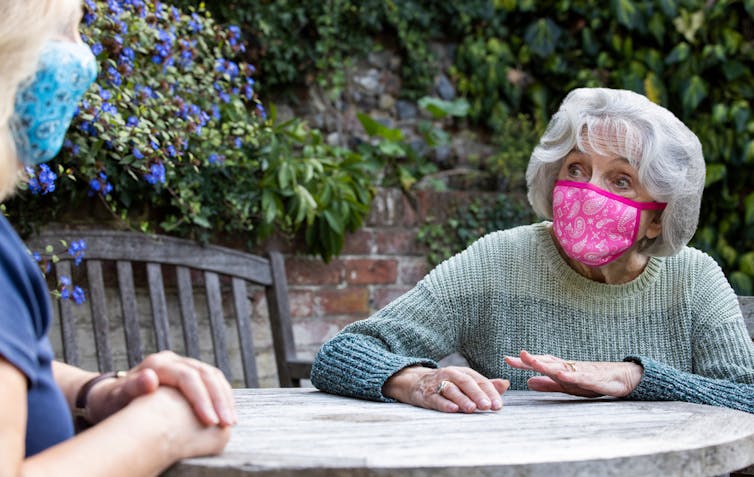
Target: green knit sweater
511, 290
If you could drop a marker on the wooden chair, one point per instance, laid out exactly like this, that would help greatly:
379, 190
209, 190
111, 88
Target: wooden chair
133, 263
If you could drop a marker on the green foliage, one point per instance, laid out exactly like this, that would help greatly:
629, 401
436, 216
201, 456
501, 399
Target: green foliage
401, 161
521, 57
325, 190
470, 221
173, 138
295, 43
514, 142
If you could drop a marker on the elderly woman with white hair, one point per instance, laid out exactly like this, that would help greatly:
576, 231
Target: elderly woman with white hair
603, 298
135, 423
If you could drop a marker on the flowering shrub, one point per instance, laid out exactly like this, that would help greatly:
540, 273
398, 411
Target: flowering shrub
65, 290
173, 138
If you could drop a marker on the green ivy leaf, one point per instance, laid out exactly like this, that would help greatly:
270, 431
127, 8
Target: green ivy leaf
440, 108
678, 54
746, 263
375, 128
693, 93
542, 36
741, 283
749, 209
715, 172
627, 13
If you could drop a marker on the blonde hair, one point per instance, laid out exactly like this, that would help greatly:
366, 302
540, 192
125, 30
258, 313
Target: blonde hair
24, 27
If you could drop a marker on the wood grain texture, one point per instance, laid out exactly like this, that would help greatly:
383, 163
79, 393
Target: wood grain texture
309, 433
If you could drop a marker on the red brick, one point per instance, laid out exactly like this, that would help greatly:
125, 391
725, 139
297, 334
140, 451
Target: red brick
411, 270
383, 296
395, 241
313, 271
343, 301
358, 243
371, 271
301, 303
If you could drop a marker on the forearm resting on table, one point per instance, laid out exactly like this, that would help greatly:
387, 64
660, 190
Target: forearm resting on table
400, 385
143, 439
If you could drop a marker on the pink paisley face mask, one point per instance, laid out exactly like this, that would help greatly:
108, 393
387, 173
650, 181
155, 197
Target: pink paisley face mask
592, 225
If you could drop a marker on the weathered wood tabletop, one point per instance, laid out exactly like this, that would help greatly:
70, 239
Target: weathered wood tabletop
308, 433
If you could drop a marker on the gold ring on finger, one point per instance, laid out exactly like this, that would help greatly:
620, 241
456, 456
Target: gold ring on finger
571, 365
440, 387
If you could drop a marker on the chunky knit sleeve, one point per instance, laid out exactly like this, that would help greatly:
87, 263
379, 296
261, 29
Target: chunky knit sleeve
424, 325
411, 330
721, 345
664, 383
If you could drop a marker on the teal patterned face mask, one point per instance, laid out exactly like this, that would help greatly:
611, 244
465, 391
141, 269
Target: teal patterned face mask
45, 106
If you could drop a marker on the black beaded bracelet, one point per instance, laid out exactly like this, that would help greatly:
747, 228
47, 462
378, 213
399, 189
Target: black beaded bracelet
81, 419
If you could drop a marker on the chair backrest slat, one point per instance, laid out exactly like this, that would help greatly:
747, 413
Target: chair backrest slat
280, 317
100, 319
130, 314
67, 323
141, 263
246, 338
188, 312
217, 322
159, 306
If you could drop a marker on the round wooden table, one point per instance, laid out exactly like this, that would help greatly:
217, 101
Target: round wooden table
309, 433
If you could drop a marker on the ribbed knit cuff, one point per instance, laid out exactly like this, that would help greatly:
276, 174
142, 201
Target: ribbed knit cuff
661, 382
358, 365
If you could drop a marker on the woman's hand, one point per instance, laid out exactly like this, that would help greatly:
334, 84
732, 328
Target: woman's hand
203, 386
463, 390
580, 378
182, 435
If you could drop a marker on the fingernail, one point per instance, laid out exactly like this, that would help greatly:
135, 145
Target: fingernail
211, 414
484, 403
227, 417
497, 403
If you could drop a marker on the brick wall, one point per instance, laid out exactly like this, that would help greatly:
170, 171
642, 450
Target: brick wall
378, 263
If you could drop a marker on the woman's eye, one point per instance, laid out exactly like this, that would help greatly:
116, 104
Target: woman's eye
623, 183
574, 171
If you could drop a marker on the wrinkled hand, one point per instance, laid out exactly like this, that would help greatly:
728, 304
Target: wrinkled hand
203, 386
580, 378
465, 390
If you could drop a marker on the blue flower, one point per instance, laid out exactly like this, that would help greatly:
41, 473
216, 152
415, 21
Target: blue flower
109, 108
132, 121
78, 295
261, 111
113, 76
65, 280
100, 185
156, 174
97, 48
42, 182
216, 158
105, 94
77, 250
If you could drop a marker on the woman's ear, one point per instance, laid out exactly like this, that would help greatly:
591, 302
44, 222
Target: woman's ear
655, 226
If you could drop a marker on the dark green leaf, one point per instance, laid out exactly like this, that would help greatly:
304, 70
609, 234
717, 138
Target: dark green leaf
542, 36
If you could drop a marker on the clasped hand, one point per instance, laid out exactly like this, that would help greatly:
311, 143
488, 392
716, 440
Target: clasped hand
203, 386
